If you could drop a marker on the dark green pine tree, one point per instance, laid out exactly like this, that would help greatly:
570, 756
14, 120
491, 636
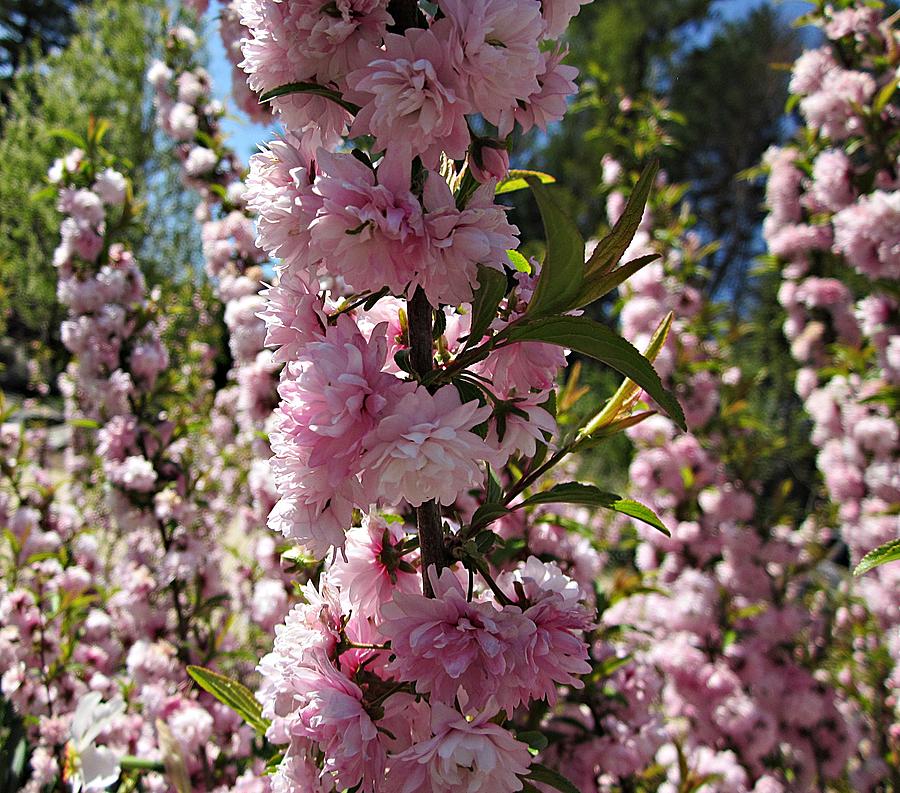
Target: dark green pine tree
732, 94
29, 29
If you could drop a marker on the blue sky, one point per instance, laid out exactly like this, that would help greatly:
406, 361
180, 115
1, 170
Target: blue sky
245, 136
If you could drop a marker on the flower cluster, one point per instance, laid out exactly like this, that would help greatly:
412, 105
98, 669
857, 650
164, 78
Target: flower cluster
839, 184
115, 582
233, 262
403, 670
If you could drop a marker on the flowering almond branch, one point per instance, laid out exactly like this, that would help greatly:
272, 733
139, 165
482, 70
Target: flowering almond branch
417, 407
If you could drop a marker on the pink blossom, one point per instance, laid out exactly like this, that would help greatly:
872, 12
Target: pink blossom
330, 711
500, 60
831, 179
333, 395
831, 109
488, 161
868, 234
309, 628
200, 161
859, 22
371, 569
409, 96
546, 105
515, 433
555, 653
445, 643
370, 228
305, 41
519, 367
280, 192
810, 70
475, 756
557, 15
460, 240
111, 187
423, 448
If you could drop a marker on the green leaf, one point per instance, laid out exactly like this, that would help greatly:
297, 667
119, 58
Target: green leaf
611, 248
590, 338
518, 180
488, 513
84, 424
233, 694
518, 261
491, 289
573, 493
534, 738
591, 496
547, 776
641, 512
599, 283
884, 95
308, 88
889, 552
67, 135
494, 489
44, 193
611, 665
563, 268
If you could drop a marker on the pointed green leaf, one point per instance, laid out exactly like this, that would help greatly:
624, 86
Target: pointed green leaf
591, 496
598, 283
519, 261
573, 493
611, 248
67, 135
232, 694
590, 338
889, 552
547, 776
641, 512
307, 88
516, 180
44, 193
563, 268
491, 289
884, 95
84, 424
487, 513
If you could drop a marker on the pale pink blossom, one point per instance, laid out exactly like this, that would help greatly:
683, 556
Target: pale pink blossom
410, 97
458, 240
328, 709
557, 15
280, 192
446, 643
472, 755
546, 105
500, 59
424, 448
556, 653
370, 229
371, 568
868, 234
200, 161
111, 187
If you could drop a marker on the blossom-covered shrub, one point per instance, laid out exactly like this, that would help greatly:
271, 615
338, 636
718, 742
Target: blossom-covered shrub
837, 184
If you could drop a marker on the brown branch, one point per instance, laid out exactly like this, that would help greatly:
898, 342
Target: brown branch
428, 516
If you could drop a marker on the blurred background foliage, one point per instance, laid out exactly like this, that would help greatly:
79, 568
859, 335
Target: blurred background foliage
72, 62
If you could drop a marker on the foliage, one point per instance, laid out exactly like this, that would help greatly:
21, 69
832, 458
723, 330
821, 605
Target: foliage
100, 75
